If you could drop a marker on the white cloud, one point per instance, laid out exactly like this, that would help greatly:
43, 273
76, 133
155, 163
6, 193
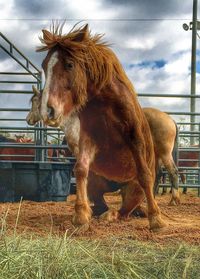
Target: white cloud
91, 9
172, 78
7, 65
178, 65
6, 8
145, 43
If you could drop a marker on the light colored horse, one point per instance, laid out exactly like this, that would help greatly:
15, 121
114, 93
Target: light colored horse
69, 125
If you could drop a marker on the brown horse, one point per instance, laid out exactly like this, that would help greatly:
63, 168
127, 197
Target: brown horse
83, 75
164, 133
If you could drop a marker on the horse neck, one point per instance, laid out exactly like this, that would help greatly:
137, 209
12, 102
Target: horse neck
114, 94
115, 86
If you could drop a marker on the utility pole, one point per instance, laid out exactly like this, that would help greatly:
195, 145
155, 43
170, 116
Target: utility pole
194, 26
193, 70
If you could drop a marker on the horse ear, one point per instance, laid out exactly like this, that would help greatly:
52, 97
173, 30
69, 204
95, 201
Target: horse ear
47, 36
82, 34
35, 90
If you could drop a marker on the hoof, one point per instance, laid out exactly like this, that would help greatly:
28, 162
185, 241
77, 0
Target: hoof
82, 215
156, 223
184, 190
164, 193
175, 201
140, 211
110, 215
80, 220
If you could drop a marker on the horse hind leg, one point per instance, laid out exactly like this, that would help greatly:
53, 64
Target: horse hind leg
183, 180
132, 196
96, 188
146, 179
173, 176
164, 189
140, 144
159, 174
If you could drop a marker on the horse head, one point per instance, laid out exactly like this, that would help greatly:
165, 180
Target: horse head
65, 80
78, 66
34, 114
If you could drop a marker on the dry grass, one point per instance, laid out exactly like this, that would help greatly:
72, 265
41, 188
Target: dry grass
55, 257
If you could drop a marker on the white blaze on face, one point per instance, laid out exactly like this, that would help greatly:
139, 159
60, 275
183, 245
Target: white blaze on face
45, 94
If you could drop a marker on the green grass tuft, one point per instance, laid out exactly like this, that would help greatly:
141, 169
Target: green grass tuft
58, 258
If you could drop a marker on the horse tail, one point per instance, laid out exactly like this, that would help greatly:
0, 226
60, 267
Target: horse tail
175, 148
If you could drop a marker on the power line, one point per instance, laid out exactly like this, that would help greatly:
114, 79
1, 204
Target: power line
95, 19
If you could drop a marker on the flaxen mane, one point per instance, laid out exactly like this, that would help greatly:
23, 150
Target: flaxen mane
91, 53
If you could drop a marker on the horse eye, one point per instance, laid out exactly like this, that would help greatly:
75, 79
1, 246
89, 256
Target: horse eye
69, 65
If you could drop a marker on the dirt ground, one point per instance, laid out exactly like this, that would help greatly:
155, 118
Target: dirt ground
55, 217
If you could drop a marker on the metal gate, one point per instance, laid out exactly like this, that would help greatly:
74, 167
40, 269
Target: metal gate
34, 176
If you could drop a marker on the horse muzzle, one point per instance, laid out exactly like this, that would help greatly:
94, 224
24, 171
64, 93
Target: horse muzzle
53, 122
29, 121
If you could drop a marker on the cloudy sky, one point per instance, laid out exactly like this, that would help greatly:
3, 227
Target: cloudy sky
146, 35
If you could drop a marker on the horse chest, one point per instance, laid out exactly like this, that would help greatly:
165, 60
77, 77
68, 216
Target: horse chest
113, 159
115, 164
100, 125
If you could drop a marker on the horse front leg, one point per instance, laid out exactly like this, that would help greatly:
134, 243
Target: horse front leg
83, 211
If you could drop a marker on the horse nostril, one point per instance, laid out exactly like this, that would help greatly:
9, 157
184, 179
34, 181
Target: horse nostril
50, 112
